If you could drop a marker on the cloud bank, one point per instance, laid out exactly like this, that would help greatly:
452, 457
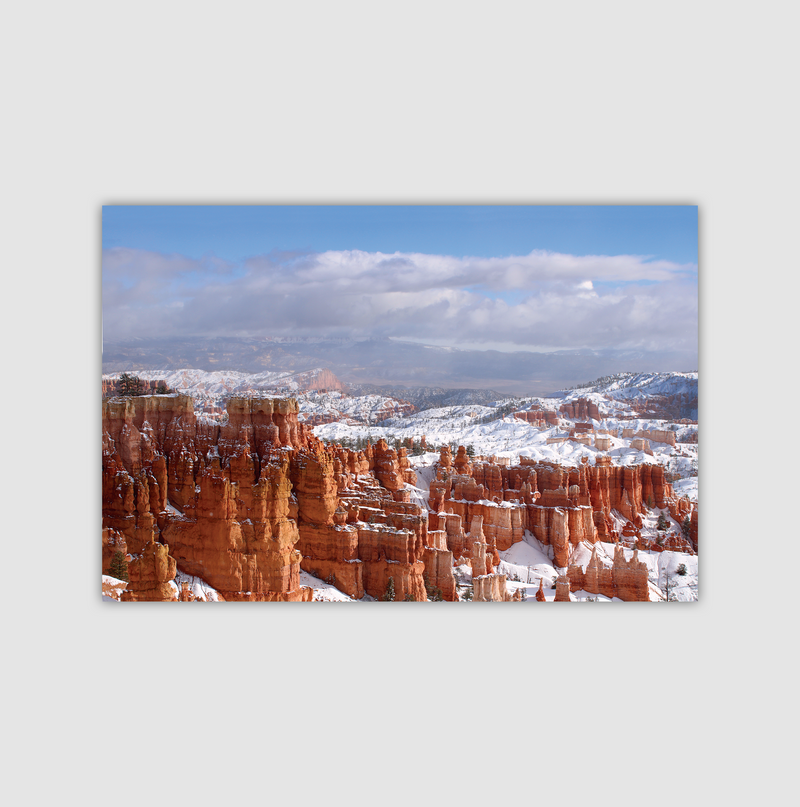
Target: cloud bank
542, 300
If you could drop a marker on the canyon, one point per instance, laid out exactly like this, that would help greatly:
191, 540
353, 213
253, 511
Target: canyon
261, 505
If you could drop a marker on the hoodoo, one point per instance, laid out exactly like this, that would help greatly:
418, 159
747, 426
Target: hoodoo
246, 503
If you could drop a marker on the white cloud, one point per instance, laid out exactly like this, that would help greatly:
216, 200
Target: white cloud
562, 301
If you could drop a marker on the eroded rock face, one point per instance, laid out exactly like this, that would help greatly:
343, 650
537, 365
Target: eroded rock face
246, 504
543, 418
219, 496
378, 536
493, 588
243, 503
562, 589
150, 576
580, 409
561, 506
388, 469
624, 579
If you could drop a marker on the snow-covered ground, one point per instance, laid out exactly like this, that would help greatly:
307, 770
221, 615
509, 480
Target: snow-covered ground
201, 590
358, 408
527, 562
513, 438
636, 385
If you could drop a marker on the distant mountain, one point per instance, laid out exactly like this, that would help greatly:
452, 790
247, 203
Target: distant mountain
382, 362
430, 397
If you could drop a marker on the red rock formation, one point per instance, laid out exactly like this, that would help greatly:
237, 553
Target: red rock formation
185, 594
375, 535
462, 462
492, 588
671, 542
657, 435
387, 469
626, 580
439, 571
220, 496
150, 576
580, 409
542, 418
561, 506
480, 561
562, 589
540, 593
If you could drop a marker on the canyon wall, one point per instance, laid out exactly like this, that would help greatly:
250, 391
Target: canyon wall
244, 503
561, 506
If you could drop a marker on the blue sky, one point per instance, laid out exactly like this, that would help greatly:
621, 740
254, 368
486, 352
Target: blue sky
507, 278
237, 232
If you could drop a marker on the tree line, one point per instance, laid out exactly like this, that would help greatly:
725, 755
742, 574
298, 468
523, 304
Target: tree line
129, 386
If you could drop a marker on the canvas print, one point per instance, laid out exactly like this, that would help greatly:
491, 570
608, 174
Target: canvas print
396, 403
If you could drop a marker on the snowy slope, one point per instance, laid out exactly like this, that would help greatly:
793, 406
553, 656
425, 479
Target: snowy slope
627, 386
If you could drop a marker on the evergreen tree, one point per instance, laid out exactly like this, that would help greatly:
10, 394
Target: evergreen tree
686, 527
434, 593
162, 389
129, 385
388, 595
681, 570
118, 567
663, 523
470, 450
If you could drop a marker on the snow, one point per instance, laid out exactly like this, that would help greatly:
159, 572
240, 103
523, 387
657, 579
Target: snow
686, 487
202, 591
513, 438
323, 592
174, 510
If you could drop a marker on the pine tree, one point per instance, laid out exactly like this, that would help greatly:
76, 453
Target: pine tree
663, 523
119, 566
388, 595
129, 385
434, 593
686, 527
